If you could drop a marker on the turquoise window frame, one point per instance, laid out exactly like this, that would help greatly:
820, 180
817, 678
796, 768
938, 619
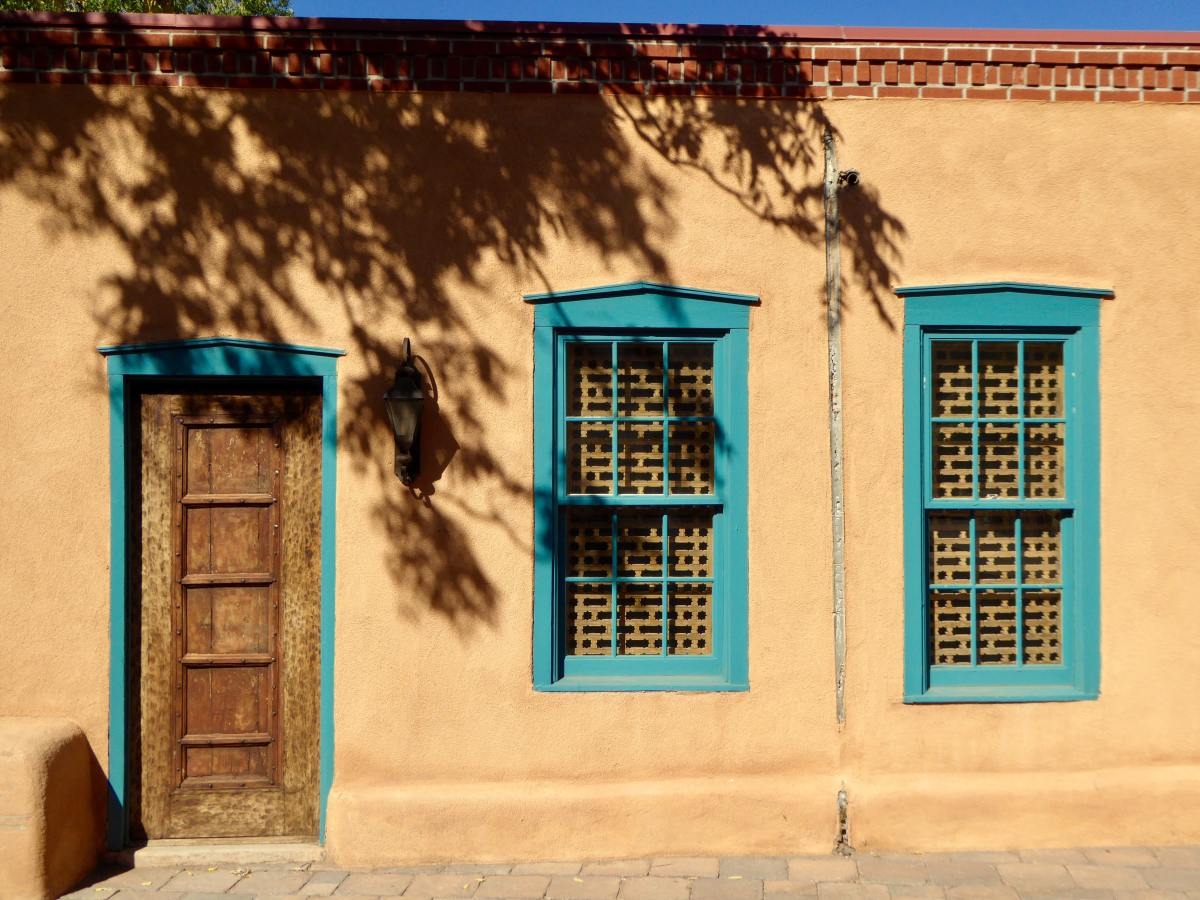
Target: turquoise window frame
1007, 311
130, 366
629, 313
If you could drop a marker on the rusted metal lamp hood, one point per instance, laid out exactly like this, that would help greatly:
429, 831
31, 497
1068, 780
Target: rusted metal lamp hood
403, 401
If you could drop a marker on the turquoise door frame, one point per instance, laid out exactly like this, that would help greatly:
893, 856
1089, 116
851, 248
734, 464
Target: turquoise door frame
130, 365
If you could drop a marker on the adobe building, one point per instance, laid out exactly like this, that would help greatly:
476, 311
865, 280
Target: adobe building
794, 445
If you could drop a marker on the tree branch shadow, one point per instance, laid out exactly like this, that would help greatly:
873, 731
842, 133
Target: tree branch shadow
258, 214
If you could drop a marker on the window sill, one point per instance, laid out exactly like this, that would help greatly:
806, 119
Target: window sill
679, 683
1042, 693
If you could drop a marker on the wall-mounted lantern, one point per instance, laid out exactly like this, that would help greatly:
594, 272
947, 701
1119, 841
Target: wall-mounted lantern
403, 402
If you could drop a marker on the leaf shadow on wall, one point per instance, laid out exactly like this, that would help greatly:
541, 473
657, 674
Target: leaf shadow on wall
364, 219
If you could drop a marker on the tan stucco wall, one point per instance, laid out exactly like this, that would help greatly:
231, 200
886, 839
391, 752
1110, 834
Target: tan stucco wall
350, 221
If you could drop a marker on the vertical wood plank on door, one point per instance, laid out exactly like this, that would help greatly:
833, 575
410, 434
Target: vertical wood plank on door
301, 588
157, 642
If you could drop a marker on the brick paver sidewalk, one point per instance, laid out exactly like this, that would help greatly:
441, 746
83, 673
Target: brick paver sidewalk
1146, 873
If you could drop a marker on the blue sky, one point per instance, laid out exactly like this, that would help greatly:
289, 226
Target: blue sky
1088, 14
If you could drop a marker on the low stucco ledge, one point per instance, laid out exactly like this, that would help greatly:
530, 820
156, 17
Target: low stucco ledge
945, 811
377, 824
50, 832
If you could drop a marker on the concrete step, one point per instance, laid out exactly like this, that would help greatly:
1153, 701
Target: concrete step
219, 852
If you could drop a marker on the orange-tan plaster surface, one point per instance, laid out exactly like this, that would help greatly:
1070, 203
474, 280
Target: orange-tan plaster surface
353, 222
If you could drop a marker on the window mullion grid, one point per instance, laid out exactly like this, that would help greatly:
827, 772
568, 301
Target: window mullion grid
673, 579
614, 619
666, 438
615, 501
1056, 505
1021, 420
974, 593
666, 480
1018, 519
995, 420
1071, 494
953, 587
927, 488
615, 412
613, 589
976, 384
1019, 543
975, 380
666, 600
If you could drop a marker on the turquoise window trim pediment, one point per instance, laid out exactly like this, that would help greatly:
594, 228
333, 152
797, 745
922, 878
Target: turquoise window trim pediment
999, 303
980, 288
642, 304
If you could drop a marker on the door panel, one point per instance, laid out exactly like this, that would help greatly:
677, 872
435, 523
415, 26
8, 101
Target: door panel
228, 472
229, 616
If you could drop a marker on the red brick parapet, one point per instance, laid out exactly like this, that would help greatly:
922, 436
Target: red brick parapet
806, 64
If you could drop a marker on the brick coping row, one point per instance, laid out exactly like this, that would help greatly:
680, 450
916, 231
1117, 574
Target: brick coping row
818, 33
364, 55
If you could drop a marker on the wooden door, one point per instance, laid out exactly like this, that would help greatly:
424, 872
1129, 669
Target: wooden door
229, 629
